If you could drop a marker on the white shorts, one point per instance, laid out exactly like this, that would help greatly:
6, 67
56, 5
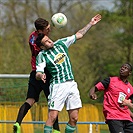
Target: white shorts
62, 94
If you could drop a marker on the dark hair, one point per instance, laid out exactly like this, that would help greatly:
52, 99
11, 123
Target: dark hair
130, 66
41, 24
39, 39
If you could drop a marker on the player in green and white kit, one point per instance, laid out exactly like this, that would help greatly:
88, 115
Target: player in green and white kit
63, 88
57, 60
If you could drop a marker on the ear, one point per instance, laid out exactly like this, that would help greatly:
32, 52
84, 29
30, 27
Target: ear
42, 47
40, 31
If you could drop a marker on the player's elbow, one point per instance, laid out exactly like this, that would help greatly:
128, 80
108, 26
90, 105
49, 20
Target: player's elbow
79, 35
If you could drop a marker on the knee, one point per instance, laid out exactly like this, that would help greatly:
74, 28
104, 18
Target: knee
73, 115
74, 119
53, 118
30, 101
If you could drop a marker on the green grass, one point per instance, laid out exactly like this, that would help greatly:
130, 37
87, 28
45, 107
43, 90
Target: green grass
38, 131
104, 131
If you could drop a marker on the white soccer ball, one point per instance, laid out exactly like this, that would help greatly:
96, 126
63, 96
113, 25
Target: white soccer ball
59, 20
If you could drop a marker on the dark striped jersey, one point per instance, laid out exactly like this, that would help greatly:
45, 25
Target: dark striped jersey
34, 49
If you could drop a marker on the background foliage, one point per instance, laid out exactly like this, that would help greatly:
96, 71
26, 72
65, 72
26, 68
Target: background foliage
99, 54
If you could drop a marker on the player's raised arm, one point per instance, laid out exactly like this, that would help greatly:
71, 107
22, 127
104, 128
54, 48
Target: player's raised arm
83, 31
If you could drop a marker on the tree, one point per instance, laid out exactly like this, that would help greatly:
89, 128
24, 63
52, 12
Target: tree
98, 55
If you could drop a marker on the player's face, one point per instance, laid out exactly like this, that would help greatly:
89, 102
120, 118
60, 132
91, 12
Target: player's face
47, 30
125, 70
47, 42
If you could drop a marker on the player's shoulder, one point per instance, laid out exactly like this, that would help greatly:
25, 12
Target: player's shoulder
40, 55
33, 33
41, 52
114, 79
33, 37
60, 41
130, 85
65, 39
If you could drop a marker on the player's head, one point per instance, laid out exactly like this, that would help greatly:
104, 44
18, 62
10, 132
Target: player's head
42, 26
44, 42
125, 70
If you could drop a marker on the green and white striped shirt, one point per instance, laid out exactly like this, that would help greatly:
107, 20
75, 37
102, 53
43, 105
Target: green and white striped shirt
57, 61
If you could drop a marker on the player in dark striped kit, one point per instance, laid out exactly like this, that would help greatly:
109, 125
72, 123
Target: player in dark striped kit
35, 86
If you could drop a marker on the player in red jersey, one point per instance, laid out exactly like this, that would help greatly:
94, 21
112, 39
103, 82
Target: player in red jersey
116, 89
35, 86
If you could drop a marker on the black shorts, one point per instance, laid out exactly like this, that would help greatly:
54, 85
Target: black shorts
120, 126
36, 86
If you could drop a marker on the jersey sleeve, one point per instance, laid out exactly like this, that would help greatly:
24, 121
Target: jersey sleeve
103, 84
33, 47
69, 40
40, 63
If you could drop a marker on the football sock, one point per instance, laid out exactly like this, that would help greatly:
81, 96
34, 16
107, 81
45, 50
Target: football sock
70, 129
47, 129
22, 112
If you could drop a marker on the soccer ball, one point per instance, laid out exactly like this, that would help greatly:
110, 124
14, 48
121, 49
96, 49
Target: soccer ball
59, 20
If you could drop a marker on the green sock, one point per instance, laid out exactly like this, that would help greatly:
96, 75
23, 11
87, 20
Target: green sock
70, 129
47, 129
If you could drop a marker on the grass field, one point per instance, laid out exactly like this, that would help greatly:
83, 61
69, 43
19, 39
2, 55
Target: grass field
104, 131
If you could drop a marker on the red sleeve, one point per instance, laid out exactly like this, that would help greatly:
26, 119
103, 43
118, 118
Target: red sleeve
100, 86
33, 47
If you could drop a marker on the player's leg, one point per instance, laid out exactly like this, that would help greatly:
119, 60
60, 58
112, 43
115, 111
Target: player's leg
56, 128
45, 88
73, 118
128, 127
33, 92
56, 103
115, 126
56, 123
21, 114
73, 104
52, 114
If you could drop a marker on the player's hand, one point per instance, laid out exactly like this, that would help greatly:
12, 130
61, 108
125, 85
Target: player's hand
126, 102
95, 19
93, 96
43, 77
